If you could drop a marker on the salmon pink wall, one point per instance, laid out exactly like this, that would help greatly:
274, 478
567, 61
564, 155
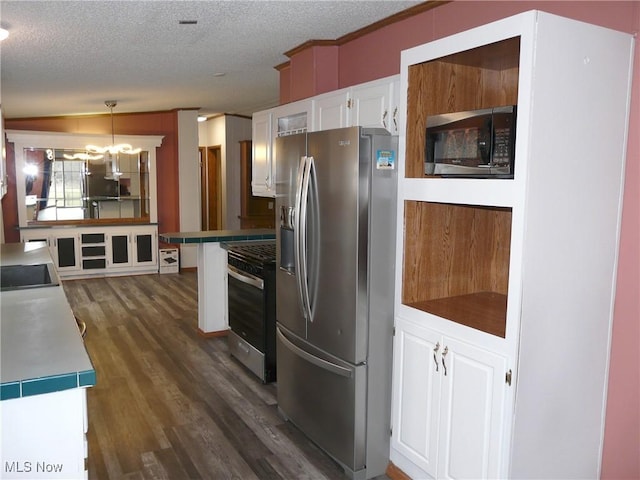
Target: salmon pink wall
152, 123
285, 83
315, 70
377, 55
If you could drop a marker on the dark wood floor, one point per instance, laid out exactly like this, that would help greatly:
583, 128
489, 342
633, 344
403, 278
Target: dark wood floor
170, 404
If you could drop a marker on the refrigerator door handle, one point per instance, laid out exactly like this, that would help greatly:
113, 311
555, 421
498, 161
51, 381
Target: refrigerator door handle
319, 362
302, 195
298, 226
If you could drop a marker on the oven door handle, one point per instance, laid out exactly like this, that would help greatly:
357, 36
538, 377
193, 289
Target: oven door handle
245, 277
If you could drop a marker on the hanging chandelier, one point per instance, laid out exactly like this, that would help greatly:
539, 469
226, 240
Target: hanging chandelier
114, 148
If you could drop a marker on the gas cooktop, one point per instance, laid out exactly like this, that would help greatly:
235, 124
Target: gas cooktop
263, 251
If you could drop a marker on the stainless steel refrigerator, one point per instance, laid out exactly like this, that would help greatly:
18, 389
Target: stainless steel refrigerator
335, 249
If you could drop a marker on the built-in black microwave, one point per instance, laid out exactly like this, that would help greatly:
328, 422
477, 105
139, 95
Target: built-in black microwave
473, 144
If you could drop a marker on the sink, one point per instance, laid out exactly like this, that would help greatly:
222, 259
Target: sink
15, 277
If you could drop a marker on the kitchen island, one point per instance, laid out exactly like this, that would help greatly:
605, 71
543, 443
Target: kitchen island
212, 272
44, 373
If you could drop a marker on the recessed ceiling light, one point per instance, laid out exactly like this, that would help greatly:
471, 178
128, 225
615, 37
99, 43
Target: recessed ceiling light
219, 74
3, 34
202, 118
187, 22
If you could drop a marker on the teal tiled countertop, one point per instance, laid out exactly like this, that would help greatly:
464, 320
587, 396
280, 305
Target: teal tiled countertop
42, 350
217, 236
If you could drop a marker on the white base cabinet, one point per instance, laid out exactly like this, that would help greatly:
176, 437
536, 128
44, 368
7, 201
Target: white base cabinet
90, 251
448, 411
45, 436
509, 284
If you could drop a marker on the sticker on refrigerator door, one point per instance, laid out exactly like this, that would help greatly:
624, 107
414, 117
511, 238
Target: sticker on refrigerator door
385, 159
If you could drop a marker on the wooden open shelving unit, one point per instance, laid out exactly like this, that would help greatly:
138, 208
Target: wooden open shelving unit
456, 256
456, 263
482, 77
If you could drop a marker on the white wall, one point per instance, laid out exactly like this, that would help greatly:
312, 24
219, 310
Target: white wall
227, 131
237, 129
189, 182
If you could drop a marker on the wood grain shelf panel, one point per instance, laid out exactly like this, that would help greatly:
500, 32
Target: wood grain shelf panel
485, 311
483, 77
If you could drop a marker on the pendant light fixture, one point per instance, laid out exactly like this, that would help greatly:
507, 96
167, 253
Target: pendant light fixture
114, 148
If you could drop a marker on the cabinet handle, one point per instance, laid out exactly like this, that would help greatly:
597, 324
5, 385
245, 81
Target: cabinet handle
384, 118
395, 119
435, 351
444, 365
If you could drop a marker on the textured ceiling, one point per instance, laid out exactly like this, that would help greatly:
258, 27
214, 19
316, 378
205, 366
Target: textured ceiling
68, 57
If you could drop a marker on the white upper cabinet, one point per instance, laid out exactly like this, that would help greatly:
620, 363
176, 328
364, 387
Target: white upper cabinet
508, 283
374, 104
331, 110
262, 142
371, 104
4, 179
267, 126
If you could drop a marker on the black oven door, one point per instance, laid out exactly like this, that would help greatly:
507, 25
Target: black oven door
246, 306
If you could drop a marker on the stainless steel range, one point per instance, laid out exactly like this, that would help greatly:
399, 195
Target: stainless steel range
252, 305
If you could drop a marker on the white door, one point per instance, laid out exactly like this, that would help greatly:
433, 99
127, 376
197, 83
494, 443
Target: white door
330, 111
416, 403
472, 412
370, 106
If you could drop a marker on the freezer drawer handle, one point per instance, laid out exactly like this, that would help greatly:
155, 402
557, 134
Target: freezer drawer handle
332, 367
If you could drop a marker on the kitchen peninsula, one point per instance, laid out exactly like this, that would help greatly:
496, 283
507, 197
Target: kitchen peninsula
212, 272
45, 371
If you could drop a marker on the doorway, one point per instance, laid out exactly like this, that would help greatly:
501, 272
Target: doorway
210, 187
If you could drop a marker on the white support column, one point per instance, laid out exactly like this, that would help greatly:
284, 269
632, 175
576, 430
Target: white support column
213, 315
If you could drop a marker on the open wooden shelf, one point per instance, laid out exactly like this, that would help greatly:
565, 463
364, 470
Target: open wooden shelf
485, 311
451, 253
483, 77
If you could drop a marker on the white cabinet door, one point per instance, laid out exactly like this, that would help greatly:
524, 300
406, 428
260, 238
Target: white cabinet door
331, 110
4, 179
416, 388
63, 247
371, 105
448, 404
145, 248
262, 180
288, 119
291, 118
472, 411
65, 250
119, 246
394, 106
